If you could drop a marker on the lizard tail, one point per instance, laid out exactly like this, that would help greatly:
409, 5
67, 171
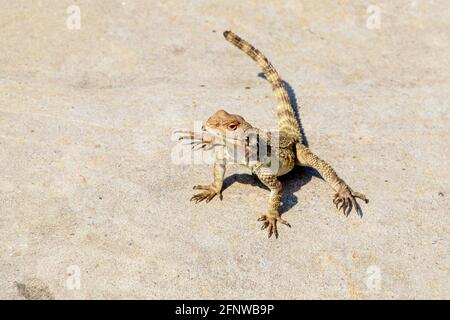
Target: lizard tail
287, 122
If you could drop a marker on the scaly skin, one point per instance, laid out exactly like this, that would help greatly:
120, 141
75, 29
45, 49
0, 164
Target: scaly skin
286, 117
227, 131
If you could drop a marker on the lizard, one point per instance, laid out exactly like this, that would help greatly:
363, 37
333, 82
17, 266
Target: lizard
230, 130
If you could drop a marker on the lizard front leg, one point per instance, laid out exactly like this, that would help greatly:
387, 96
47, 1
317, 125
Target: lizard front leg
202, 140
272, 216
215, 188
345, 196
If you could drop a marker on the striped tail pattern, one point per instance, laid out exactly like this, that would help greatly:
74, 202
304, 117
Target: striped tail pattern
287, 123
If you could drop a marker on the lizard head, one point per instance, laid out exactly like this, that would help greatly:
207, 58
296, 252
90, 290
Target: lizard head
229, 126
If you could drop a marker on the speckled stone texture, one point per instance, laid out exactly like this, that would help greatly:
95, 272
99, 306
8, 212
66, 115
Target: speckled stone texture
88, 188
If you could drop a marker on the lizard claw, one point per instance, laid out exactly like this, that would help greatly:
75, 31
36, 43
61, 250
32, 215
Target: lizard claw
208, 194
345, 200
270, 221
195, 139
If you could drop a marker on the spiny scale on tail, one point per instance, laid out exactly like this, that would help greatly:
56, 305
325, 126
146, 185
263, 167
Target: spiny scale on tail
287, 122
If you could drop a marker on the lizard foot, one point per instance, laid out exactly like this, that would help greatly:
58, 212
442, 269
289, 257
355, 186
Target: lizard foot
208, 194
270, 221
346, 198
196, 140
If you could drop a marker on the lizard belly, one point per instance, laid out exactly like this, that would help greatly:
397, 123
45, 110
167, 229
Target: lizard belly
284, 169
286, 160
280, 164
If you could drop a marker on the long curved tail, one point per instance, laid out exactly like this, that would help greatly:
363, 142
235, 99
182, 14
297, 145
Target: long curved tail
287, 122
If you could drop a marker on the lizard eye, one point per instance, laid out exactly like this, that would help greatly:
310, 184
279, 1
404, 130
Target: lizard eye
232, 126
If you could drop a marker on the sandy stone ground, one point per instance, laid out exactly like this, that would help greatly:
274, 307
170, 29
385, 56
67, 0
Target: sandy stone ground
93, 205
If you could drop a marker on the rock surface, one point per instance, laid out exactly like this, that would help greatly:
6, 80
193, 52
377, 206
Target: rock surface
93, 204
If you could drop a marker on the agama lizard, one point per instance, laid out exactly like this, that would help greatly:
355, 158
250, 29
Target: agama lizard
229, 130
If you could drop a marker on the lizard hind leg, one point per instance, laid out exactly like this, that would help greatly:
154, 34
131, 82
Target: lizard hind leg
345, 197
